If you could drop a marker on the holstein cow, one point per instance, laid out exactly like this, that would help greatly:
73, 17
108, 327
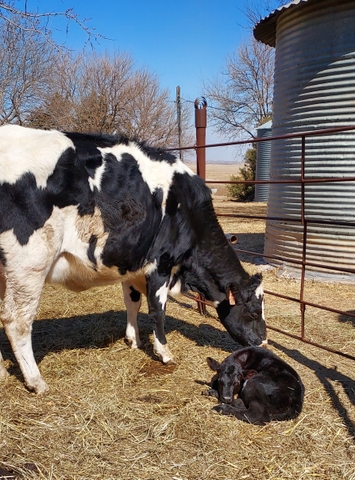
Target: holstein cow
267, 387
87, 210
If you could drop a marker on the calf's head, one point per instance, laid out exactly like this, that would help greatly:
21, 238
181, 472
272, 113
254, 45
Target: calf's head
229, 378
242, 314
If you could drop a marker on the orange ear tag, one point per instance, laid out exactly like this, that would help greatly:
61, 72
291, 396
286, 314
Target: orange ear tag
231, 299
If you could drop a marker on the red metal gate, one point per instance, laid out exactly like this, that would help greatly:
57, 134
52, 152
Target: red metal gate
200, 148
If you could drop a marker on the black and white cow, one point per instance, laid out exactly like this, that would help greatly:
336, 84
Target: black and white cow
267, 387
87, 210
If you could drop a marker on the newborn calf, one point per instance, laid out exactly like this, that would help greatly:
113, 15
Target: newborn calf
267, 387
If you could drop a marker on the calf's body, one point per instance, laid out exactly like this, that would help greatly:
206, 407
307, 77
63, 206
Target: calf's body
267, 387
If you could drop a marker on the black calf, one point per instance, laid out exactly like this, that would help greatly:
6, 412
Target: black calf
267, 387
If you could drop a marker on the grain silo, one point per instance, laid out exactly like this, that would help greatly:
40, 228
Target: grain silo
263, 152
314, 89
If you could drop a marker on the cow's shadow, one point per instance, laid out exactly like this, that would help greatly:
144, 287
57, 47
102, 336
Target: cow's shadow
102, 330
250, 242
326, 376
344, 318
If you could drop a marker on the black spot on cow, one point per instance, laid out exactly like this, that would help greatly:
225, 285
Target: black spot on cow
158, 198
125, 199
91, 249
24, 207
2, 257
135, 296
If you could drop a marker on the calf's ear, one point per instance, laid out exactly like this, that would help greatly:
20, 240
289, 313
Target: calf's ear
213, 364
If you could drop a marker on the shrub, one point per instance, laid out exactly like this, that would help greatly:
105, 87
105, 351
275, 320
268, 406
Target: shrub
244, 192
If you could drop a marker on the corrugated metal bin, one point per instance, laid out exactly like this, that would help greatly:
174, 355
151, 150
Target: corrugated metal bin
263, 153
314, 89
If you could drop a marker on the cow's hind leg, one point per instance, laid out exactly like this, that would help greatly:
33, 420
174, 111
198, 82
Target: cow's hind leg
132, 300
3, 371
18, 311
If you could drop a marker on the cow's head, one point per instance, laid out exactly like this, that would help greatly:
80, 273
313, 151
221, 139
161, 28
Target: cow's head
228, 379
242, 313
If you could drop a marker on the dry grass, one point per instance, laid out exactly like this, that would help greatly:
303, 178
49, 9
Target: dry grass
113, 413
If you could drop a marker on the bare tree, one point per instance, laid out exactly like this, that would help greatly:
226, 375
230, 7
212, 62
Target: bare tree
105, 93
28, 55
255, 10
241, 99
149, 113
39, 23
101, 96
26, 62
85, 93
43, 85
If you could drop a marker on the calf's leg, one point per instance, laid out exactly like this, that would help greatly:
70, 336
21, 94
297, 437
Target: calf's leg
256, 413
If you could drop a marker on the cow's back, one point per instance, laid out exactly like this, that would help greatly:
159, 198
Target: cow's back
93, 203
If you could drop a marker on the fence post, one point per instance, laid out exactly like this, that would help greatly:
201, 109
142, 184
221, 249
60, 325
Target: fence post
201, 124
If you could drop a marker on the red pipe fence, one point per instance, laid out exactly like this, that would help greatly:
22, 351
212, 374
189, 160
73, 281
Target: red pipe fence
200, 149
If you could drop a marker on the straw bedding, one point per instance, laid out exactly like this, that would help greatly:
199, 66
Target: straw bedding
114, 413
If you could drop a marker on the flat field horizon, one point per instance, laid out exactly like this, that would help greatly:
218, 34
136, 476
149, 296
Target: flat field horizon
218, 171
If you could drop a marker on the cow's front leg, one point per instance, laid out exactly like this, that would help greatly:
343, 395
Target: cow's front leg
157, 295
132, 300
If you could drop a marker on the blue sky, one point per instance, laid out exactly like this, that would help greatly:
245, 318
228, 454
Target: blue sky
183, 42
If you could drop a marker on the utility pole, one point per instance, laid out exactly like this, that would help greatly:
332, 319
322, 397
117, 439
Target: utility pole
178, 112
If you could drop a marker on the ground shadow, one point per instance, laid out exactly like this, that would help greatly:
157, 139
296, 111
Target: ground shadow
344, 318
251, 242
102, 330
325, 376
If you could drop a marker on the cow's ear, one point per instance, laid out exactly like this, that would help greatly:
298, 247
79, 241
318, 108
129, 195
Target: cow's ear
234, 295
213, 364
256, 279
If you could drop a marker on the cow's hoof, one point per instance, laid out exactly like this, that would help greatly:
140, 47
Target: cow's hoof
132, 343
163, 353
3, 372
165, 359
169, 362
39, 387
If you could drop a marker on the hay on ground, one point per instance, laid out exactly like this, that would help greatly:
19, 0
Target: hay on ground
114, 413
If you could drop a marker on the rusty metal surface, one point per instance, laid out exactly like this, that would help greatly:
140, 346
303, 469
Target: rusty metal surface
201, 125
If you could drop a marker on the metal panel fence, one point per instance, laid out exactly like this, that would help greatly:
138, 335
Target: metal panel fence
303, 221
